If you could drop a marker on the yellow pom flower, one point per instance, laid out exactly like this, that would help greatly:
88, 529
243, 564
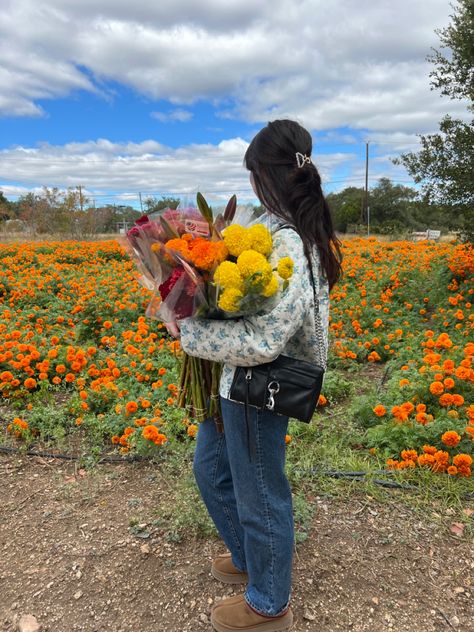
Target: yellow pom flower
237, 239
285, 268
271, 288
254, 268
261, 239
229, 300
228, 275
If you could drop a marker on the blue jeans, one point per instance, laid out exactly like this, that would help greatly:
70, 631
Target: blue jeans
250, 501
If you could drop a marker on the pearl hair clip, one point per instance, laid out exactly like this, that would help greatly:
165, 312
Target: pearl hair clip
302, 159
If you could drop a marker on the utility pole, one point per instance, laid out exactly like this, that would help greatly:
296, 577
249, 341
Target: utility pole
141, 203
366, 195
364, 206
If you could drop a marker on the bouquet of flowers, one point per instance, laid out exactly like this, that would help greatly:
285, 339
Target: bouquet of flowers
198, 265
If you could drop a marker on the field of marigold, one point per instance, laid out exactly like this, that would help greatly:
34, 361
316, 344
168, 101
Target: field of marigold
79, 359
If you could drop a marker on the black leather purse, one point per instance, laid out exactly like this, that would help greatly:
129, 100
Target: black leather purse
286, 385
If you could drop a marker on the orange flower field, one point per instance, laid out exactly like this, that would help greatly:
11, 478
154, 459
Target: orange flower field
78, 356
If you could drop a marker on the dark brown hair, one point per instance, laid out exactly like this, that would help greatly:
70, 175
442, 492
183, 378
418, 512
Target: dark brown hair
294, 193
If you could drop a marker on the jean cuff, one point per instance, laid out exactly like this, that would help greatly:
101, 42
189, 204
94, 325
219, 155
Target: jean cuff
282, 612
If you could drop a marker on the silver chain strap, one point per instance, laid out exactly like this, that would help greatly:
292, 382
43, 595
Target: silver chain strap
317, 315
319, 330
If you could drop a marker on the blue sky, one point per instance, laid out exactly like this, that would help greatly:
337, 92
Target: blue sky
162, 98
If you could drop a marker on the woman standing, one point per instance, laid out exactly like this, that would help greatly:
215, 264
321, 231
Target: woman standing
249, 499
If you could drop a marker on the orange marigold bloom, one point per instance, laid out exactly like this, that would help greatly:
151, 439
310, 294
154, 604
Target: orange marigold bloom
29, 383
115, 439
161, 371
60, 368
409, 455
192, 430
6, 376
448, 382
429, 449
426, 459
451, 438
441, 456
399, 413
452, 470
421, 408
160, 439
470, 430
287, 439
462, 460
170, 401
436, 388
408, 463
380, 410
150, 432
462, 372
131, 407
458, 400
421, 418
322, 401
446, 399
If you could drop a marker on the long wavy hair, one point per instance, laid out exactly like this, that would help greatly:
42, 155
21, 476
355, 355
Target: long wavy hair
294, 193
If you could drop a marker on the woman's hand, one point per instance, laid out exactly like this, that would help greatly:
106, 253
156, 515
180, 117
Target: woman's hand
173, 329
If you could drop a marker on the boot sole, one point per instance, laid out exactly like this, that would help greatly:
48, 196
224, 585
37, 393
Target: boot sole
229, 578
282, 623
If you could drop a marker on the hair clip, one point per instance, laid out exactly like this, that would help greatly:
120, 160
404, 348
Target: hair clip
302, 159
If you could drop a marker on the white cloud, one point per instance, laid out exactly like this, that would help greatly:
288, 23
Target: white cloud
180, 115
127, 168
328, 64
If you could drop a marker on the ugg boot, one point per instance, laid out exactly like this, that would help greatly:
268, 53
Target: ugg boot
235, 615
223, 569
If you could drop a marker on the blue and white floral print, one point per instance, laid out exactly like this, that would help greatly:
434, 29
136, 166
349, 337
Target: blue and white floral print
289, 328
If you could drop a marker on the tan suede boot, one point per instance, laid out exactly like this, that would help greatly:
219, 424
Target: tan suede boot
235, 615
223, 569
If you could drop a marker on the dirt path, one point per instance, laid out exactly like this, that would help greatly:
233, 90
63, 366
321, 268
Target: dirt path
70, 558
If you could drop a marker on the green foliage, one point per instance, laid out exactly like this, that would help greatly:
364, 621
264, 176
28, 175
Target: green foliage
336, 387
394, 209
445, 163
153, 204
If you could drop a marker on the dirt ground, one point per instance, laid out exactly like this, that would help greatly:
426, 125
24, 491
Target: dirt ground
70, 558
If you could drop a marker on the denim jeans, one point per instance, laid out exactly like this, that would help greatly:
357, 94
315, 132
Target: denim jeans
250, 501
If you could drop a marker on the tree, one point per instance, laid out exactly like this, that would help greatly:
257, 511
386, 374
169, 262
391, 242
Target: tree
153, 204
6, 210
445, 164
345, 207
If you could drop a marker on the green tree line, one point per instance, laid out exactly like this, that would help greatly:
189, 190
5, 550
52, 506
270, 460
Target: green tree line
393, 209
70, 213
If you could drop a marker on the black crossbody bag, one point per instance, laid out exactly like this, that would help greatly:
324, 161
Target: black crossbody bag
286, 385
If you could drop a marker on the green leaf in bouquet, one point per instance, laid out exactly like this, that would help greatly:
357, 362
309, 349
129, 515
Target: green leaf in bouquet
205, 209
169, 231
230, 209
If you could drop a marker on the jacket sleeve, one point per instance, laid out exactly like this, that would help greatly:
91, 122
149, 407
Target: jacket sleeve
256, 339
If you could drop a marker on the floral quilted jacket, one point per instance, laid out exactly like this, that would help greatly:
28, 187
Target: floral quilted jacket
289, 328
